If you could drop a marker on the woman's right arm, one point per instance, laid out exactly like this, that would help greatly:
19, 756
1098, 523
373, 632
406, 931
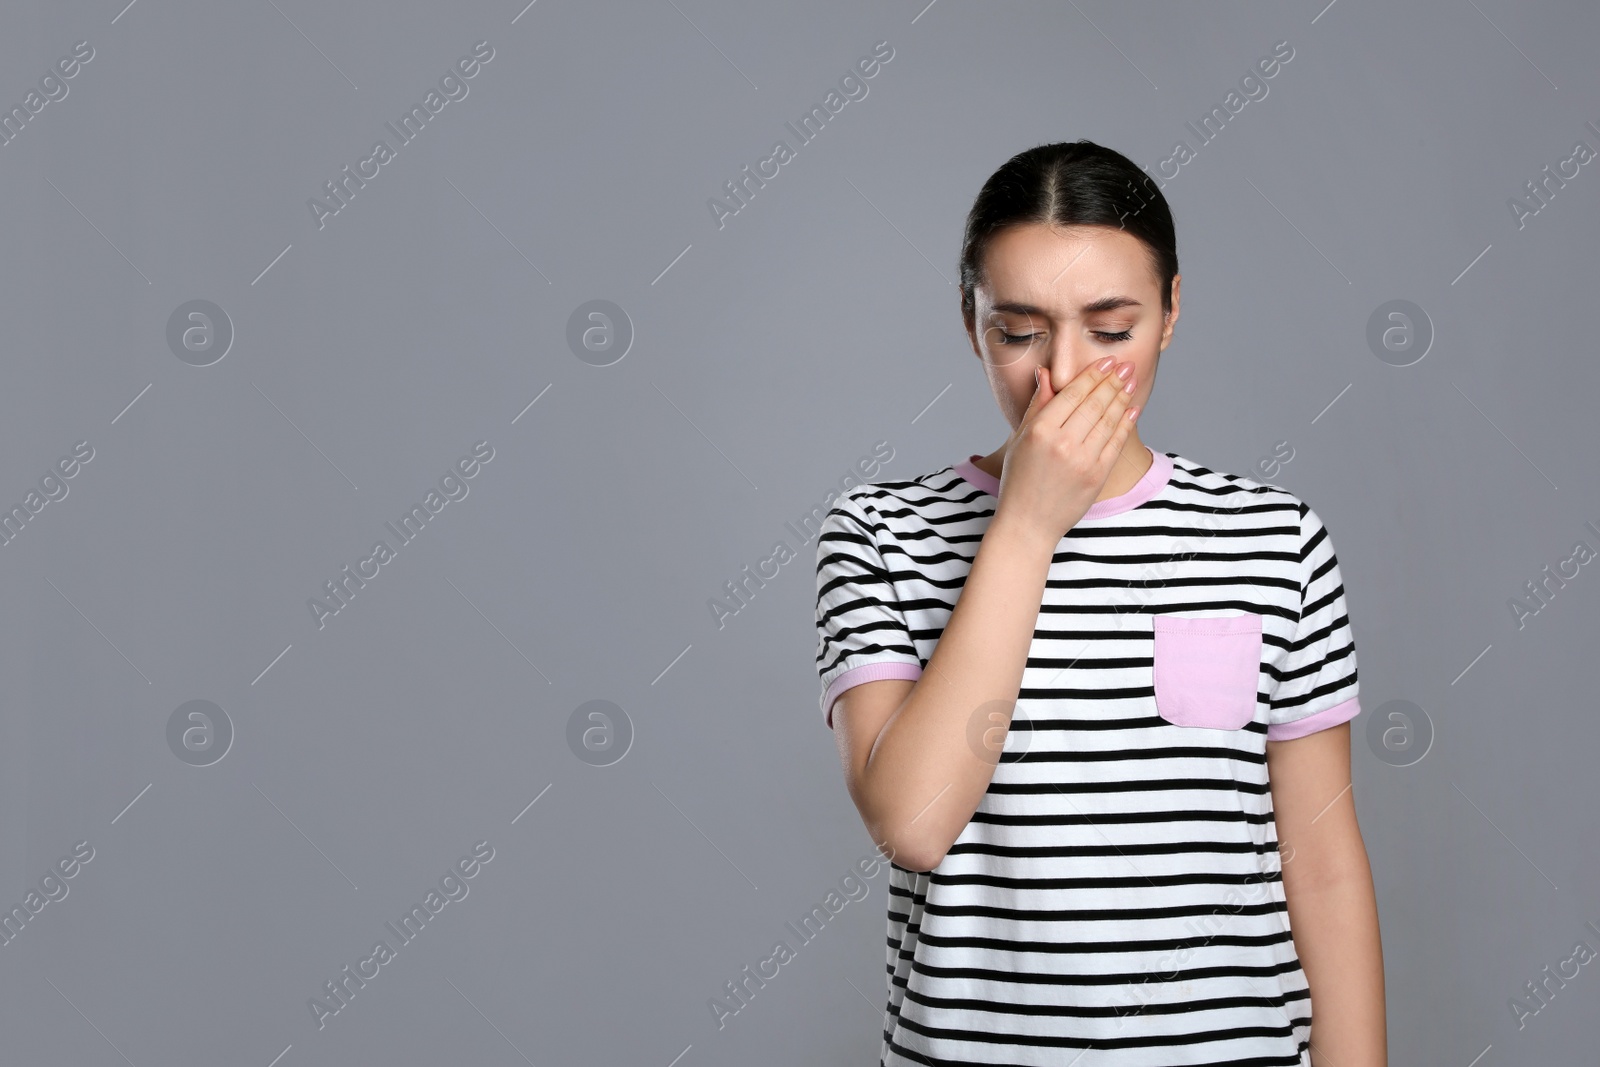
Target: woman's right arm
918, 756
915, 760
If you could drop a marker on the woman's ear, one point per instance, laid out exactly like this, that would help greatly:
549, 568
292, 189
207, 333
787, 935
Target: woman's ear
967, 321
1169, 319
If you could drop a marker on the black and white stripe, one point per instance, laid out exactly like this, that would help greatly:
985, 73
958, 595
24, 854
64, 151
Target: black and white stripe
1118, 892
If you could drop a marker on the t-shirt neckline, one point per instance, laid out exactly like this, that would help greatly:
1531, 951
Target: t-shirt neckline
1154, 480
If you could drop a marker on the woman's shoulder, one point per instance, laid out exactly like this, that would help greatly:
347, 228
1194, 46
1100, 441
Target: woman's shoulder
1239, 489
936, 488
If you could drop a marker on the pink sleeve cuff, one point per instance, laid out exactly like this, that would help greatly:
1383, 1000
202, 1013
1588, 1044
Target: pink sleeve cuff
867, 672
1284, 731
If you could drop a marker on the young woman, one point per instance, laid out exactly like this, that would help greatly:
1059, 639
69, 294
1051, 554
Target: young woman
1092, 699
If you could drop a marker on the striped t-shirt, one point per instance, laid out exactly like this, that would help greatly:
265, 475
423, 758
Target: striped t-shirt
1119, 888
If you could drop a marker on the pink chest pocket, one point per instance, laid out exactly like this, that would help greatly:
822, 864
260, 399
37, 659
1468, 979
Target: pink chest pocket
1207, 669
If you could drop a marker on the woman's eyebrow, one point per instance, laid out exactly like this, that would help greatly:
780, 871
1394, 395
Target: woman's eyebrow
1105, 303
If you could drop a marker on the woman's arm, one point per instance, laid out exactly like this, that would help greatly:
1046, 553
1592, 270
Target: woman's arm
918, 758
1333, 911
908, 750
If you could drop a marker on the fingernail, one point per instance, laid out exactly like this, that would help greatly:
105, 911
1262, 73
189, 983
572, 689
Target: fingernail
1103, 364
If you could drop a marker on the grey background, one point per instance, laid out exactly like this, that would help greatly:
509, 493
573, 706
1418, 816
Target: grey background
431, 712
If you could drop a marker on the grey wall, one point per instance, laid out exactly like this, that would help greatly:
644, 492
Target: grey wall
750, 364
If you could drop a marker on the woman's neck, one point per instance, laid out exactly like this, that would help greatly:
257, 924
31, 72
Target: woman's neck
1130, 466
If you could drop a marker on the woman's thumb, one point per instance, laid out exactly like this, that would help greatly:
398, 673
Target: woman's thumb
1041, 388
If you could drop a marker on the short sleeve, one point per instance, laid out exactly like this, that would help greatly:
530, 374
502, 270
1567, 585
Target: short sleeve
862, 635
1315, 687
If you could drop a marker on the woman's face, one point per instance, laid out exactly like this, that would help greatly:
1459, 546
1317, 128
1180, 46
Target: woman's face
1064, 298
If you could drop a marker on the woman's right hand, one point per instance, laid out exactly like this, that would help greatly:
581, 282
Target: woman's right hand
1060, 455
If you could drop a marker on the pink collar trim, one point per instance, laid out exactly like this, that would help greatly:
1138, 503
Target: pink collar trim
1155, 479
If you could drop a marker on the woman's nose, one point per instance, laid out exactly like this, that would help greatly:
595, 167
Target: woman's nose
1063, 370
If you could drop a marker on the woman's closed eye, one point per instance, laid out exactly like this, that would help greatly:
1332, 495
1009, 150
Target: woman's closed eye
1024, 338
1016, 338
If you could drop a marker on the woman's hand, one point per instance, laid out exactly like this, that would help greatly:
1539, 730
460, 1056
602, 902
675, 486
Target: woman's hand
1060, 455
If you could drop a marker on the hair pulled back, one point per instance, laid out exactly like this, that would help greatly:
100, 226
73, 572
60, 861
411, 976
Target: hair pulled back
1069, 183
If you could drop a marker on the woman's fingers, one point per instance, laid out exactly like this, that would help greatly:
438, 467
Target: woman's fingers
1109, 396
1059, 410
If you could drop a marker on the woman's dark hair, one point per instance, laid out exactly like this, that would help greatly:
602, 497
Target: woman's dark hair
1069, 183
